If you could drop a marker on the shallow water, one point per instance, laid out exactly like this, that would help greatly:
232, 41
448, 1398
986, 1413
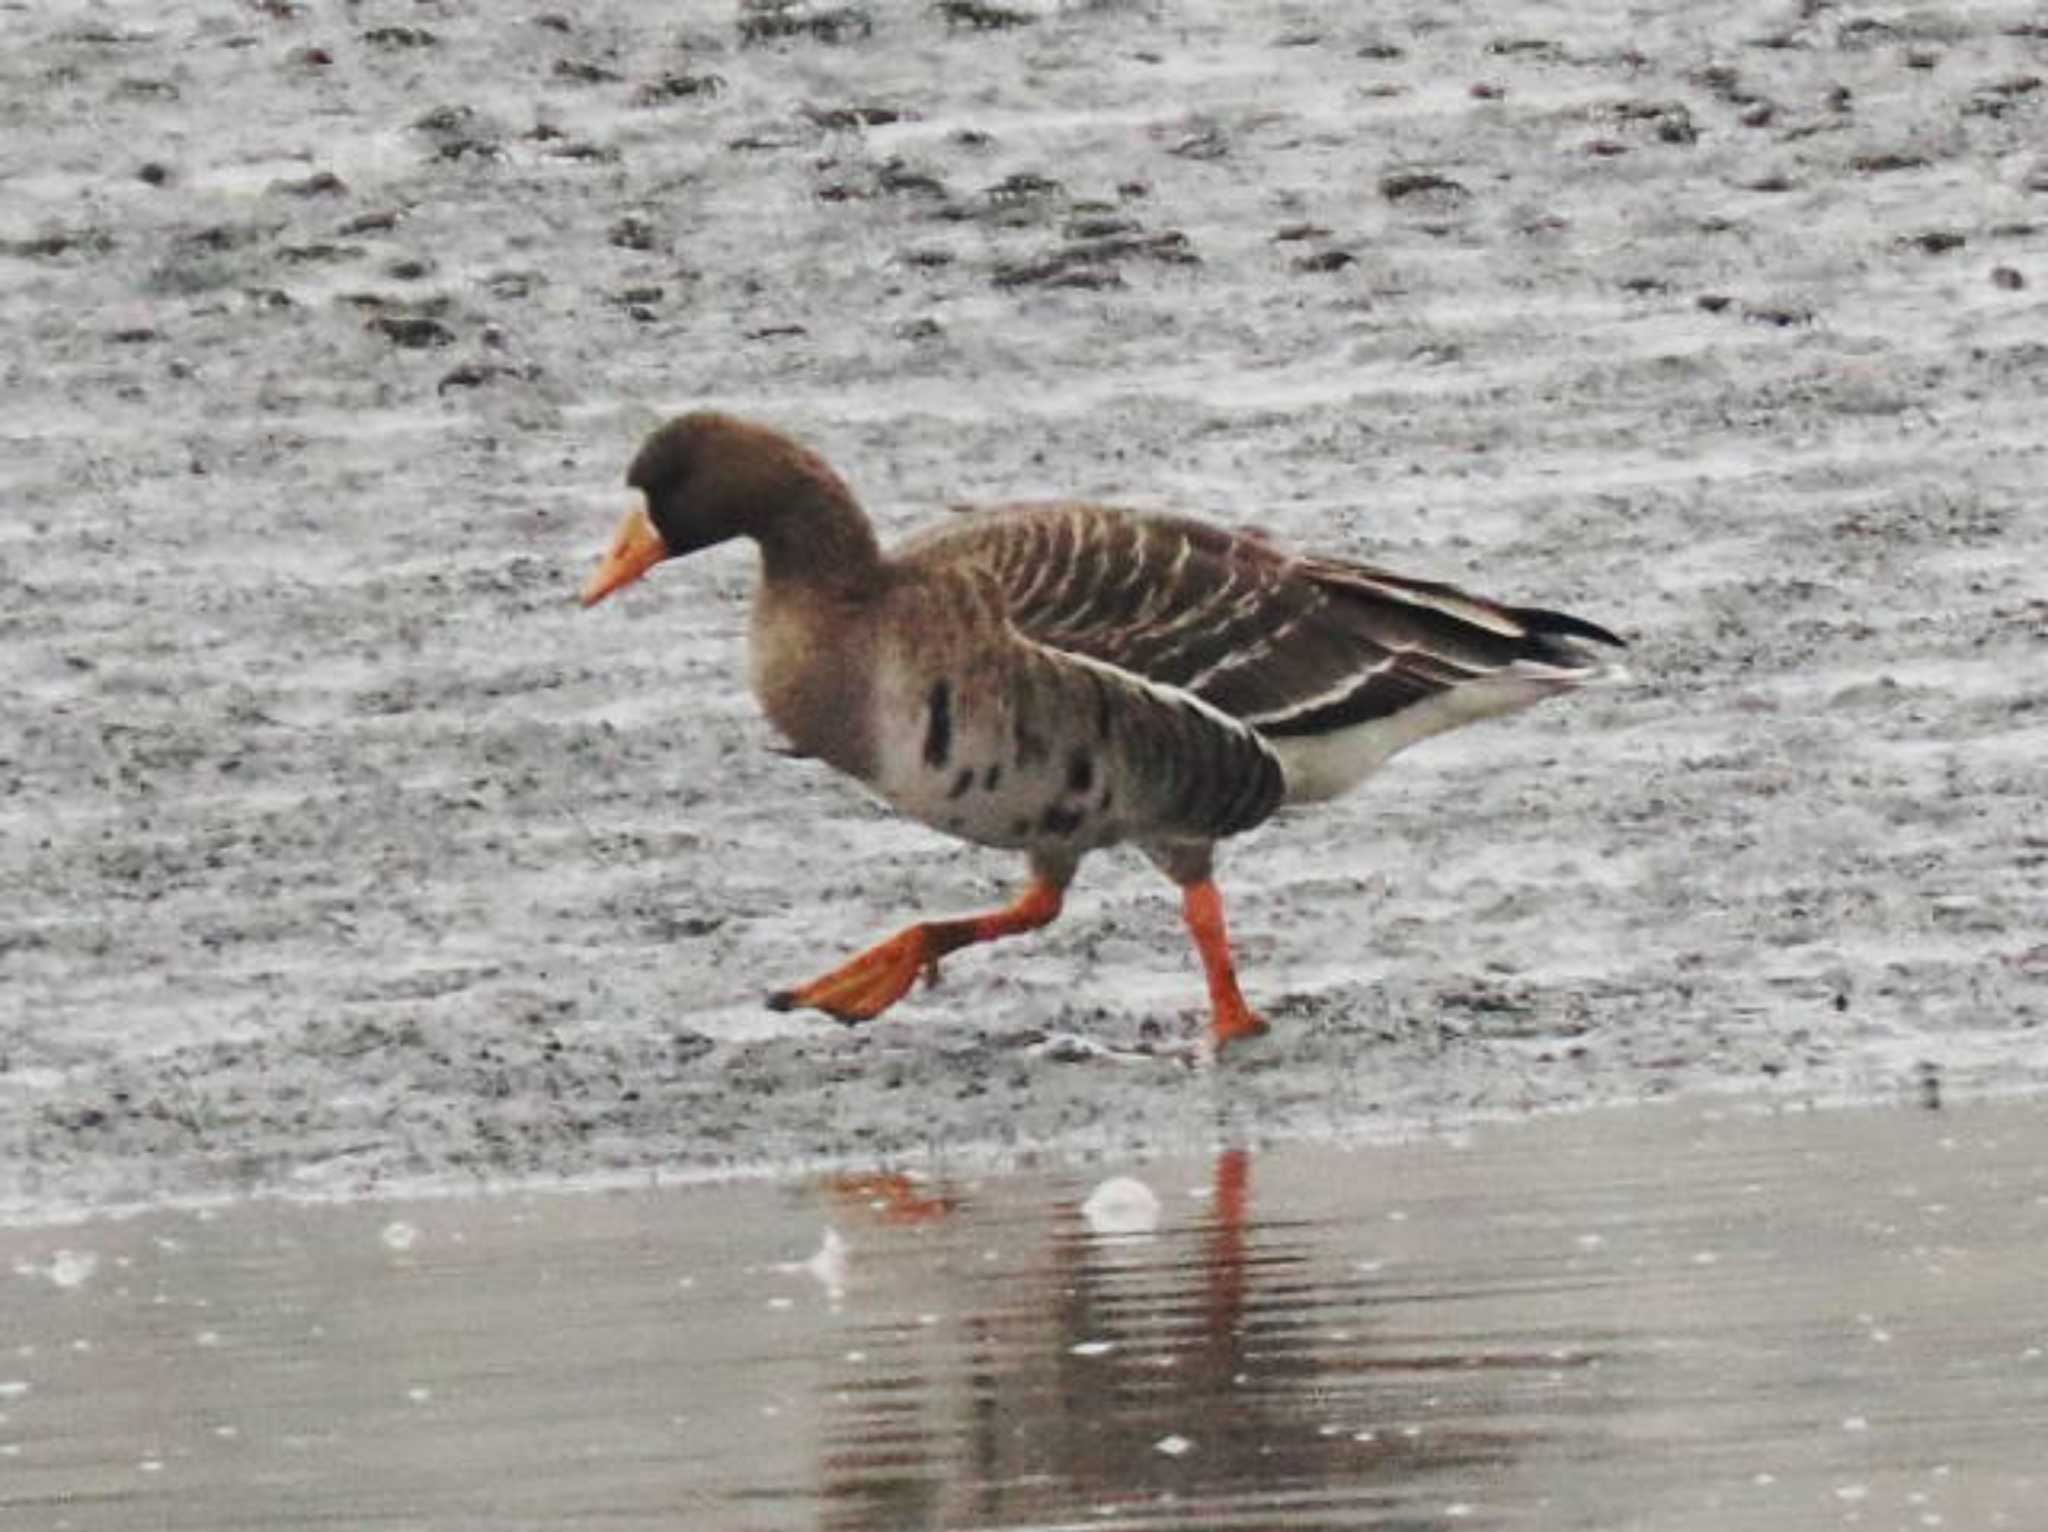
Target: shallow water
1660, 1318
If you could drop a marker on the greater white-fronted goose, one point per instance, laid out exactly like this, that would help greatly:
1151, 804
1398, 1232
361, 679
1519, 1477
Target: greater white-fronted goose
1055, 678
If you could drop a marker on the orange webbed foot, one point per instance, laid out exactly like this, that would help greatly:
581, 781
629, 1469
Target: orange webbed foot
1232, 1025
866, 985
863, 987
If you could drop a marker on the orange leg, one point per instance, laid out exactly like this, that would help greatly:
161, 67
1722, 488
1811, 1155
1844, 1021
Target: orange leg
867, 985
1231, 1020
895, 1198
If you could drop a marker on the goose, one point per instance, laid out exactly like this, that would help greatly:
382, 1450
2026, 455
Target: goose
1057, 677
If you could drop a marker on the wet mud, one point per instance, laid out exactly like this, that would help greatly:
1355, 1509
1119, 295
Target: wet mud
340, 852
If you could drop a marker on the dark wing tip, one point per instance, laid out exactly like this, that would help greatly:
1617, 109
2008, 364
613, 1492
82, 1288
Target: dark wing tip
1539, 620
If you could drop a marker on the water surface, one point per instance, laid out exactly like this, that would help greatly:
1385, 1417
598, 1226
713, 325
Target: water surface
1644, 1319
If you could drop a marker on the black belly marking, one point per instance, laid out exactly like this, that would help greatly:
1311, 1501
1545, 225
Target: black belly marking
938, 729
1058, 821
961, 782
1080, 770
991, 777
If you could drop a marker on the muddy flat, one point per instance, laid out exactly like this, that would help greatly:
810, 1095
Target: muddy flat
340, 852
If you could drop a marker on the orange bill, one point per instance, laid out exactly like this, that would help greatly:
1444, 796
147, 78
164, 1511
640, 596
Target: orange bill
636, 548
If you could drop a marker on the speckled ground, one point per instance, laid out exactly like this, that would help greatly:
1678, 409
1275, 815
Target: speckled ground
339, 851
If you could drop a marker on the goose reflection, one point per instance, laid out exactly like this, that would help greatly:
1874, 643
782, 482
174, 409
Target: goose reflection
1197, 1374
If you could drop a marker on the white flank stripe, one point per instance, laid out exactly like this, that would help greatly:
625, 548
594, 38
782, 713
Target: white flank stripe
1252, 653
1173, 696
1351, 682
